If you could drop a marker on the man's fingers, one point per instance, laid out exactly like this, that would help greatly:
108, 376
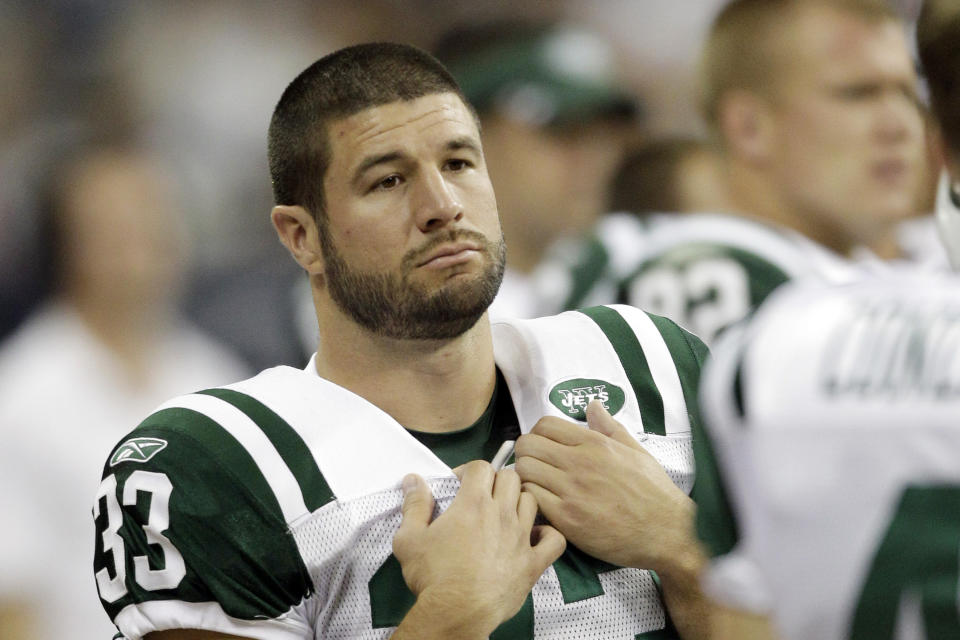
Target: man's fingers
527, 510
476, 478
600, 420
542, 448
537, 471
417, 507
547, 501
506, 491
548, 544
559, 430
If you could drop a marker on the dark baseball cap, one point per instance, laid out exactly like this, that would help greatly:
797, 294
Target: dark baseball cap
545, 76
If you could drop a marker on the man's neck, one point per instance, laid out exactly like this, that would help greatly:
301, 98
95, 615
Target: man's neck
426, 385
753, 197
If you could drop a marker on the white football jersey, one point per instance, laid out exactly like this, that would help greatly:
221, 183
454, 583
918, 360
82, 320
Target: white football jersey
831, 475
268, 508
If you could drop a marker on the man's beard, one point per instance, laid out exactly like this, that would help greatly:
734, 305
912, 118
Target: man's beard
390, 305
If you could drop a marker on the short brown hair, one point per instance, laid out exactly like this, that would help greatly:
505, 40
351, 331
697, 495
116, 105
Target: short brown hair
336, 86
741, 50
938, 44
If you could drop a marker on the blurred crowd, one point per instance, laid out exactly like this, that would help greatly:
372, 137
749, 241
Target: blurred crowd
137, 260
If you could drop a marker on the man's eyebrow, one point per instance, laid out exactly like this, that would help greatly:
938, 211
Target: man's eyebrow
464, 142
371, 161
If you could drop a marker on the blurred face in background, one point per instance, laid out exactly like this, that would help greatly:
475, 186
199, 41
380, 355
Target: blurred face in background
120, 233
552, 180
847, 134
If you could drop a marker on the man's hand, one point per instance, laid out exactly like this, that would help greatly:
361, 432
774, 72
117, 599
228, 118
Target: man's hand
611, 498
473, 566
605, 492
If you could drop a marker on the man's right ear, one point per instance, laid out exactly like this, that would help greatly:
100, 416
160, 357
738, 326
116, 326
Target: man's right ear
298, 232
745, 126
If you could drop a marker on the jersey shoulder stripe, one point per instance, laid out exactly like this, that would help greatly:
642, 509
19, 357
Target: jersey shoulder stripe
288, 444
634, 362
689, 353
253, 438
673, 361
329, 420
191, 423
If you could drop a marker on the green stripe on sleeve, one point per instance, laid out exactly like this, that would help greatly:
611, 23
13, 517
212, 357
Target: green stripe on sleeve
634, 363
216, 441
288, 443
688, 353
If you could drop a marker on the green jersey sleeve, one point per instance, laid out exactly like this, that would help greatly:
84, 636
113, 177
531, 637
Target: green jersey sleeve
189, 534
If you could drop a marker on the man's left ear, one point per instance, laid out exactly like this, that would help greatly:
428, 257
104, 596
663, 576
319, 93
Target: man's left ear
298, 232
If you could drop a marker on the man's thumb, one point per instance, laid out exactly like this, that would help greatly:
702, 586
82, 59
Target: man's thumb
600, 420
417, 500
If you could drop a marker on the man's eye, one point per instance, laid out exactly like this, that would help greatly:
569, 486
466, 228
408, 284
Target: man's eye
388, 183
457, 165
859, 91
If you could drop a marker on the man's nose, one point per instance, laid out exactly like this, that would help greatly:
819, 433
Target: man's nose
898, 118
437, 202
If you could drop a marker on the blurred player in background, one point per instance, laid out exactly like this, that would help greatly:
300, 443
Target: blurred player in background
556, 122
814, 105
828, 488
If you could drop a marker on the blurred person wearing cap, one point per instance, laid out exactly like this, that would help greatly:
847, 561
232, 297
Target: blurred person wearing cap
814, 105
555, 123
106, 347
827, 477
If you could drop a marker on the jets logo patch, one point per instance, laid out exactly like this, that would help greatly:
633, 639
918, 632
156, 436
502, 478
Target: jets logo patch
573, 396
137, 450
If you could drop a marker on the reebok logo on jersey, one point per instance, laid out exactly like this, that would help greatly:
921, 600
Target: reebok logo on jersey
572, 396
137, 450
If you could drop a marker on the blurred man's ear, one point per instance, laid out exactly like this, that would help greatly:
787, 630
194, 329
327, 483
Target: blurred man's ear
298, 232
746, 126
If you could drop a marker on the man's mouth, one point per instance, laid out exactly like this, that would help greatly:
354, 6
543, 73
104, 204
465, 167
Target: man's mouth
449, 255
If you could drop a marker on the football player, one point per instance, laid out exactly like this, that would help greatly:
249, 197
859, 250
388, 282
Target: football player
356, 497
814, 106
828, 488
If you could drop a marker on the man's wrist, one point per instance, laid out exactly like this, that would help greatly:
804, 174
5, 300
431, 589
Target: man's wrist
440, 616
679, 552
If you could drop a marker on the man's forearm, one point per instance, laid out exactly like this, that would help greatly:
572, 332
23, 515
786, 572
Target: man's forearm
439, 618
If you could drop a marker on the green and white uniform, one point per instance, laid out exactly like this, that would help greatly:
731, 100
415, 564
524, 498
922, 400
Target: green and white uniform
829, 488
267, 508
708, 271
